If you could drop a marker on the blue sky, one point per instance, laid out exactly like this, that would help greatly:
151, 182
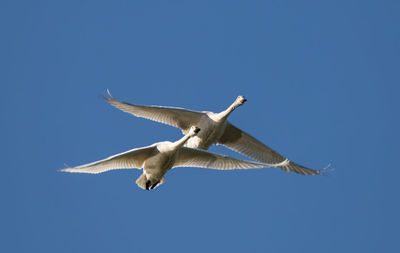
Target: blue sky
322, 83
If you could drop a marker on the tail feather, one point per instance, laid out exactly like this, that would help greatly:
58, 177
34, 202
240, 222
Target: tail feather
141, 181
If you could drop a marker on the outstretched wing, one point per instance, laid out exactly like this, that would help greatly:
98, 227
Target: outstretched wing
189, 157
239, 141
172, 116
133, 158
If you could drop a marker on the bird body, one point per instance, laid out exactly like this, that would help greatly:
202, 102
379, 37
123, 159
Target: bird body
213, 127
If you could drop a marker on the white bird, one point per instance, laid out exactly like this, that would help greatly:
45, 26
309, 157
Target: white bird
160, 157
216, 129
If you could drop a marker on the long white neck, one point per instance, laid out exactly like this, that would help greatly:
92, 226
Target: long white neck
179, 143
192, 132
224, 114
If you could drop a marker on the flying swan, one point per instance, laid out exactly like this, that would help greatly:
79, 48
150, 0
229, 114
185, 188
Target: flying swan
160, 157
216, 129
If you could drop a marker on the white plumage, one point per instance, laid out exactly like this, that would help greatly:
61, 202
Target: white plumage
160, 157
216, 129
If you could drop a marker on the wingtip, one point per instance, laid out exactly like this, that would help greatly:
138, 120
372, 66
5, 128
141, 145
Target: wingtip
63, 170
327, 171
66, 169
108, 95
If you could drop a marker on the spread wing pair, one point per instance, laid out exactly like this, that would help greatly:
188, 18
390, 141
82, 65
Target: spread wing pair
187, 157
232, 137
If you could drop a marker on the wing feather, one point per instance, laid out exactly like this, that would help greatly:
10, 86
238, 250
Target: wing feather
239, 141
189, 157
173, 116
133, 158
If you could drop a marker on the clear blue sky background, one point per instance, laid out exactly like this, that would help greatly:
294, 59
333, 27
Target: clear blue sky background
322, 83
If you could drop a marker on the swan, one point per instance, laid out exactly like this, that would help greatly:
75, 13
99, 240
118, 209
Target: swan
216, 129
160, 157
